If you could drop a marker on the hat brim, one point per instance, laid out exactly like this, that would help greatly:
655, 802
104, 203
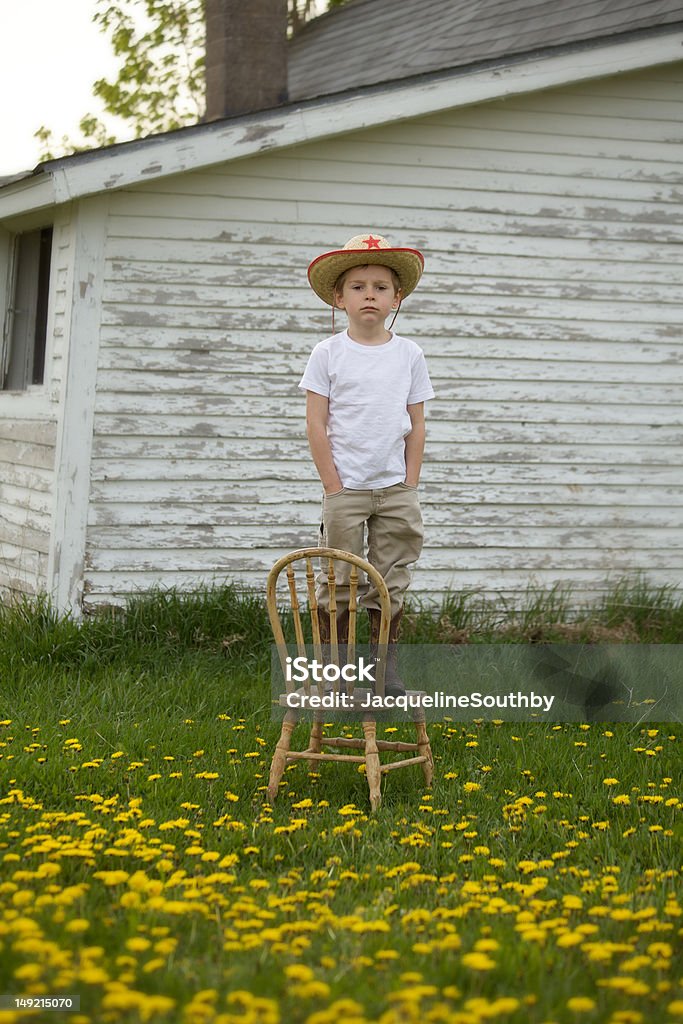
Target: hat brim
324, 271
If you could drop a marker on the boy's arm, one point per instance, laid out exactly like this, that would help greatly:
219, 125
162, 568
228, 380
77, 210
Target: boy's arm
316, 431
415, 443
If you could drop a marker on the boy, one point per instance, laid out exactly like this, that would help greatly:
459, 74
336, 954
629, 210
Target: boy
366, 388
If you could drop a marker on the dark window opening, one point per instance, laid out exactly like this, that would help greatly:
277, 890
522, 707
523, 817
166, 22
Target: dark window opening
26, 323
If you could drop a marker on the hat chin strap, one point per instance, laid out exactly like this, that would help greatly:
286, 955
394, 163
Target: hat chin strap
398, 310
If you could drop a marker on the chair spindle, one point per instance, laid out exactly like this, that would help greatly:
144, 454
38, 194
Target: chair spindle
313, 607
296, 613
332, 590
353, 609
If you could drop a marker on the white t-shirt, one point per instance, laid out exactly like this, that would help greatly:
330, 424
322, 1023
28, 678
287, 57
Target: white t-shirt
368, 387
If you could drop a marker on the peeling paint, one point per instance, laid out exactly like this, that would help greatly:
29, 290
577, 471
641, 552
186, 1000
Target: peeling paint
260, 131
152, 169
203, 430
84, 285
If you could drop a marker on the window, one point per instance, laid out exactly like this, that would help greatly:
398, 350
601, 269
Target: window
25, 328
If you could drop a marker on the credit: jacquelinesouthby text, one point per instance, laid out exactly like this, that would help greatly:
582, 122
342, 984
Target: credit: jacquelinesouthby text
439, 699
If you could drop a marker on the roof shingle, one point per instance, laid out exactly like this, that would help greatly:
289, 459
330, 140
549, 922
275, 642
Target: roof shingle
368, 42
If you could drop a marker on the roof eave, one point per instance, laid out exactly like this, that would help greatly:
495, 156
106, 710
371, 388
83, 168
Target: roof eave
160, 156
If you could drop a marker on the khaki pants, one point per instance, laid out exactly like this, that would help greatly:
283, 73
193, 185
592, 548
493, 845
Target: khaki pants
394, 536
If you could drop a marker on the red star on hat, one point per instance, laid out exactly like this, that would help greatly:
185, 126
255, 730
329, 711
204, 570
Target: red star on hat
372, 243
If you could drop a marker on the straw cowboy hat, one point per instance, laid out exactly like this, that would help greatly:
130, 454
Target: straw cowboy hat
324, 271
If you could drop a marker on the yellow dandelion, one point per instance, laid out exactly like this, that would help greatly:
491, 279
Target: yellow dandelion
580, 1004
486, 945
311, 990
478, 961
23, 898
660, 949
92, 975
154, 965
451, 992
112, 877
77, 926
28, 972
299, 972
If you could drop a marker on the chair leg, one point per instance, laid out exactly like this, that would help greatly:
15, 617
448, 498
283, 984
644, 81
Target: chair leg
372, 762
315, 744
279, 761
393, 684
424, 748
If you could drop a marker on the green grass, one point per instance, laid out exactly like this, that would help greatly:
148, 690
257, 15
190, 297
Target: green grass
631, 611
139, 741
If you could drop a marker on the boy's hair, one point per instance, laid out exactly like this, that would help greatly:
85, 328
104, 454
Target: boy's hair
339, 283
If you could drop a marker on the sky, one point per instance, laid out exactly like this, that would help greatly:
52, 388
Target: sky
50, 54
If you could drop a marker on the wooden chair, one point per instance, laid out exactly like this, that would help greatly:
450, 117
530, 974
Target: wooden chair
370, 745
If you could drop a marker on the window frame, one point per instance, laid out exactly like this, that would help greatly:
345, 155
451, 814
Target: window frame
27, 283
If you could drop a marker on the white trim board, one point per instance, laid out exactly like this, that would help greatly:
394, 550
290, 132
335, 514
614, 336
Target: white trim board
75, 428
191, 149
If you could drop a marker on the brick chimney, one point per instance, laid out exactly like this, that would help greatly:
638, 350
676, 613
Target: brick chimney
246, 56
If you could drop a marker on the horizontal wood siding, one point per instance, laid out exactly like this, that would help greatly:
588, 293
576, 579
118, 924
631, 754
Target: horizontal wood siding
28, 432
27, 450
549, 312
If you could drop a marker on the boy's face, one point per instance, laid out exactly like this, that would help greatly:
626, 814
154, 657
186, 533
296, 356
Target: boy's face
368, 295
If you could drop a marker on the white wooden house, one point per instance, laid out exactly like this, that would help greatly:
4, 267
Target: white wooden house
160, 440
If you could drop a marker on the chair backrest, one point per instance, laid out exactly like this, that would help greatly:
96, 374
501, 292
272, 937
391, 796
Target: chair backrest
328, 557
